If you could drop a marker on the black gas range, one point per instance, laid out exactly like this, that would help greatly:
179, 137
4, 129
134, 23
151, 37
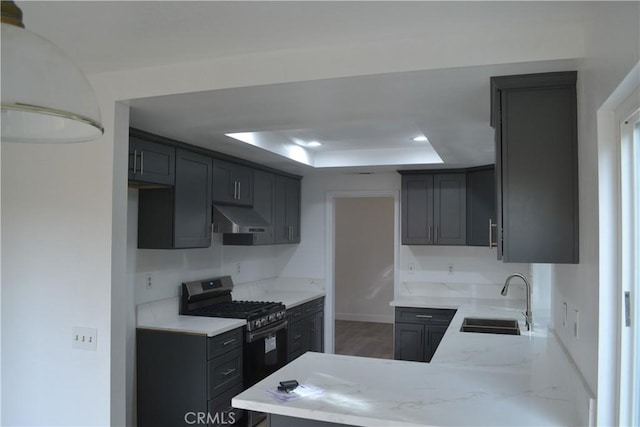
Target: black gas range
212, 298
265, 343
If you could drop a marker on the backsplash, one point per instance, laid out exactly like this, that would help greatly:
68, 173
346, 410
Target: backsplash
456, 271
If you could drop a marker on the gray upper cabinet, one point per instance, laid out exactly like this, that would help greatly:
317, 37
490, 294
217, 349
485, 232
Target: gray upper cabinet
232, 183
180, 216
535, 120
481, 206
433, 208
263, 198
151, 162
286, 224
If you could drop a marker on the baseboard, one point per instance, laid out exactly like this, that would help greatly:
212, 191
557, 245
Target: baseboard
356, 317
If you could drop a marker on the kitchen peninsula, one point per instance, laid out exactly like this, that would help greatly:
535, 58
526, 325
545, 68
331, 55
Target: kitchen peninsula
473, 379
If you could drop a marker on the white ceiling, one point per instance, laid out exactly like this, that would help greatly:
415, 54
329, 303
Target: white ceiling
360, 120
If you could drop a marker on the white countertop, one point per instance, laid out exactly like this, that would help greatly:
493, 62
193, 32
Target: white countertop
209, 326
473, 379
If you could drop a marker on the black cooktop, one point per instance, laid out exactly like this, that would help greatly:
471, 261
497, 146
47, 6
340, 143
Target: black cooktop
238, 309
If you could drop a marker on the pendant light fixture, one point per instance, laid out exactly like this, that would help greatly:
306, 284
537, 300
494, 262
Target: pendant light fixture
45, 96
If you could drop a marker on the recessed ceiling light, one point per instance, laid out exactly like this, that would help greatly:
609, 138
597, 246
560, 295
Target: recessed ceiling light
314, 144
420, 138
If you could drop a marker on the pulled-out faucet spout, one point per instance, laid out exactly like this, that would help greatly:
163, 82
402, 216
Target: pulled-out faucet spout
528, 315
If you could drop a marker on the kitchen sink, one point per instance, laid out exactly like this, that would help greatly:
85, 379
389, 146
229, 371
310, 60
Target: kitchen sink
490, 326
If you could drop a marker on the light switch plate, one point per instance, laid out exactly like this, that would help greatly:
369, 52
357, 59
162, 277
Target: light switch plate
84, 338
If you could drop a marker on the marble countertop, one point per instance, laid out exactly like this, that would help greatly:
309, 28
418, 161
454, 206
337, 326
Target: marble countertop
163, 315
473, 379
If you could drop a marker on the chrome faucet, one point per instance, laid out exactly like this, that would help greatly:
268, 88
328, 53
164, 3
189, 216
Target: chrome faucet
527, 314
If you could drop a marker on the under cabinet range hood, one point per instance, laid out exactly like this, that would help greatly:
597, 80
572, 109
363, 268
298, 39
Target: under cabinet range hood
237, 220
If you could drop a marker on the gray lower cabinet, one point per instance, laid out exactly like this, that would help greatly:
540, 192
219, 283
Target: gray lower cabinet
151, 162
535, 122
418, 332
179, 216
306, 328
433, 208
180, 376
481, 206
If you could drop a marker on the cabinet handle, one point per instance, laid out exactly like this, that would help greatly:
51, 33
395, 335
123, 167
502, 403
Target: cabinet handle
235, 190
424, 316
492, 244
229, 342
297, 337
297, 314
239, 190
142, 163
135, 160
228, 372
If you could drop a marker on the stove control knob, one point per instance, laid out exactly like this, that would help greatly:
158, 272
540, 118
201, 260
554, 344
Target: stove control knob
272, 317
257, 323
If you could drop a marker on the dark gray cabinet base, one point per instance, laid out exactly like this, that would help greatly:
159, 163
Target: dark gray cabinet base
418, 332
181, 375
306, 328
284, 421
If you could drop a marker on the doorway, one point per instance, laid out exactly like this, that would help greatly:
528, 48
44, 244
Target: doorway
364, 270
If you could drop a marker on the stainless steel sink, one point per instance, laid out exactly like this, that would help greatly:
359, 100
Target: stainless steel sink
490, 326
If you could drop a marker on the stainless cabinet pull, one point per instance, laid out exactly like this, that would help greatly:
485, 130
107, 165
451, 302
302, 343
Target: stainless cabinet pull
235, 190
297, 337
424, 316
297, 314
135, 160
142, 163
492, 244
239, 190
228, 372
229, 342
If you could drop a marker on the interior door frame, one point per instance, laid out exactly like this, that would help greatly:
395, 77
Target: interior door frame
330, 307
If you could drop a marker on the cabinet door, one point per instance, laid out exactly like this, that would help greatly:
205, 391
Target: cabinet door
263, 195
409, 342
232, 183
287, 210
150, 162
317, 332
539, 179
433, 335
449, 209
481, 207
192, 200
417, 210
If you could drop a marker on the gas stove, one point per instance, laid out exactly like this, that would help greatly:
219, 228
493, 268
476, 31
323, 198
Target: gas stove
212, 298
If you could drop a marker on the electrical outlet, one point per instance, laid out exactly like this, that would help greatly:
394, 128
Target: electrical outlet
149, 281
412, 268
450, 268
84, 338
238, 268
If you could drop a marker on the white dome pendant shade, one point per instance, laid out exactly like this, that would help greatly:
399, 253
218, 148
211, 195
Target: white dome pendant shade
45, 96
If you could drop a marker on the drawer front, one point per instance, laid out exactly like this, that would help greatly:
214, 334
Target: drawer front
221, 413
312, 307
294, 314
222, 343
224, 371
428, 316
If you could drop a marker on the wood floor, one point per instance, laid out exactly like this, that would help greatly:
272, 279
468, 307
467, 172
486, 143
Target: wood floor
366, 339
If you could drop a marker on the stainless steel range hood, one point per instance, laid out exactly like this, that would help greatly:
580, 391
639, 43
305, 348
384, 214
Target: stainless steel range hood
237, 220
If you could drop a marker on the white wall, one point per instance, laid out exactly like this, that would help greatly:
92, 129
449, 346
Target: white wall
63, 210
612, 48
364, 264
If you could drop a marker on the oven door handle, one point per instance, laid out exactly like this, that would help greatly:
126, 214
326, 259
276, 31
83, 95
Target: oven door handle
259, 334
